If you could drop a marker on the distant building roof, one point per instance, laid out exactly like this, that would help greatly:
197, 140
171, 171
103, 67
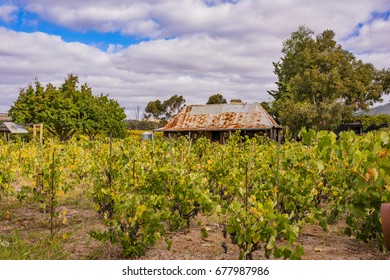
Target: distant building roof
221, 117
13, 128
5, 118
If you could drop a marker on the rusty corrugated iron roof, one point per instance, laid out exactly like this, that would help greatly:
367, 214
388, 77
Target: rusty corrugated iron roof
221, 117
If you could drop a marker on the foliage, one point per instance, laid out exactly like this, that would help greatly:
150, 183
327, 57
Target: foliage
15, 247
43, 164
68, 109
216, 99
102, 115
173, 105
141, 125
316, 74
138, 211
371, 120
154, 109
262, 193
384, 78
164, 110
7, 174
366, 168
268, 107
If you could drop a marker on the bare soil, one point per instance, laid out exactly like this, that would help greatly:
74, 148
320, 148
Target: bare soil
31, 223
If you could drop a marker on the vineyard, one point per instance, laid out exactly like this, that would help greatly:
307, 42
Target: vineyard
261, 195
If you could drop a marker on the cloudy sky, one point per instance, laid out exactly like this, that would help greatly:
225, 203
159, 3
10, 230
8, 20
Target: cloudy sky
142, 50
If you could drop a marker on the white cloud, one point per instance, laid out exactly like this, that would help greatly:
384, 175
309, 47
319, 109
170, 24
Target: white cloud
176, 18
372, 37
8, 13
215, 46
380, 60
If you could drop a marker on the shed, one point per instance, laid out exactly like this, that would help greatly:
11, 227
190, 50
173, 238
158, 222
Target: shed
357, 125
12, 128
218, 121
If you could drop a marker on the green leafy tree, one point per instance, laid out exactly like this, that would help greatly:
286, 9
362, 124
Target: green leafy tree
173, 105
216, 99
92, 117
58, 109
319, 78
164, 110
67, 109
384, 78
154, 109
113, 116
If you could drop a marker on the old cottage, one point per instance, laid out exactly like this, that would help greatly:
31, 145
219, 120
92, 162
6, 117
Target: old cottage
218, 121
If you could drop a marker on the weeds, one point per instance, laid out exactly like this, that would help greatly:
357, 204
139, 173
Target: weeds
15, 247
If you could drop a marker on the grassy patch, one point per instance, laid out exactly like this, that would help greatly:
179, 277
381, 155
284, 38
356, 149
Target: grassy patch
38, 247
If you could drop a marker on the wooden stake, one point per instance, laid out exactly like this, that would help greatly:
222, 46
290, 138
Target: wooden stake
171, 150
41, 133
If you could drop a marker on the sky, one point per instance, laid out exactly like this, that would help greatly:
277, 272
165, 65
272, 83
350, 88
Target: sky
138, 51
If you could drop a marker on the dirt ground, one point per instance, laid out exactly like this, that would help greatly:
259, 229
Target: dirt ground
31, 223
318, 245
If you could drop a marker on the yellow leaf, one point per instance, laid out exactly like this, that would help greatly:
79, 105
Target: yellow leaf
140, 210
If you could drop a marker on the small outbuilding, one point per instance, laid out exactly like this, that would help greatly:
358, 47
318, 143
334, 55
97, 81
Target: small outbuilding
218, 121
12, 128
357, 125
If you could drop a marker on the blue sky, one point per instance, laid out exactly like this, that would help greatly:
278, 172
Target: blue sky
140, 50
26, 21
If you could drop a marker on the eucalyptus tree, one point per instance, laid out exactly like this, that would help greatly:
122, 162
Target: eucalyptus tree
320, 84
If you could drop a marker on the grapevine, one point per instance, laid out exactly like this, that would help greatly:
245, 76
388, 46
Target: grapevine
263, 192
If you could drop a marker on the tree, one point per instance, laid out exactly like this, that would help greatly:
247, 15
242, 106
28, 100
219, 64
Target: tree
173, 105
67, 109
318, 79
154, 109
384, 78
103, 115
164, 110
113, 116
216, 99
